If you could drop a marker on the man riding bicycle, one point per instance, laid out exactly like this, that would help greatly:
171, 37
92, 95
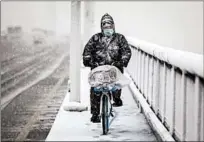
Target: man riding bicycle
106, 48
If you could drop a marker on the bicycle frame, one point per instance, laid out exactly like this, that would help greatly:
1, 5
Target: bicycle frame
104, 93
105, 79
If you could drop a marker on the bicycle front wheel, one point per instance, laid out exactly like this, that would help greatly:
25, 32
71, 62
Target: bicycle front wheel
105, 118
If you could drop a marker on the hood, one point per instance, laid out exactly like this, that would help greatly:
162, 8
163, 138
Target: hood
106, 18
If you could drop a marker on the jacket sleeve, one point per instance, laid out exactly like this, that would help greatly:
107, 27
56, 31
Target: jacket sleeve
125, 51
87, 53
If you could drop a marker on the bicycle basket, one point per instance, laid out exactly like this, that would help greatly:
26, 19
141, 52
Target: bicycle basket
104, 75
107, 76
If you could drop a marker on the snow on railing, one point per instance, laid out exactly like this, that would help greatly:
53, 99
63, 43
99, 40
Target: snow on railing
172, 82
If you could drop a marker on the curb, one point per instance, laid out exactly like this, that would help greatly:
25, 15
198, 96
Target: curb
160, 131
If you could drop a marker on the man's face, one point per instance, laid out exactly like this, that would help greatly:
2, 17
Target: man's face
108, 30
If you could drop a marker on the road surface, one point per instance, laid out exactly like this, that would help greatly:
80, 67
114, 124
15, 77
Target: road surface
32, 89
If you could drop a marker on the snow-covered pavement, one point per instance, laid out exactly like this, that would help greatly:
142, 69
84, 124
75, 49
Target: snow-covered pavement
129, 125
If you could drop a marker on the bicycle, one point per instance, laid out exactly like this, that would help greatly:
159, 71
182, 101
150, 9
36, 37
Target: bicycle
106, 108
104, 82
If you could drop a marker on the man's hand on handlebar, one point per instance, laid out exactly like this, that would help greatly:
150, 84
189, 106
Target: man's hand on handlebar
117, 64
94, 64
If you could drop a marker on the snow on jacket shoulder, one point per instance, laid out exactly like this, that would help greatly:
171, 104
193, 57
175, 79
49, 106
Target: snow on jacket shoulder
101, 50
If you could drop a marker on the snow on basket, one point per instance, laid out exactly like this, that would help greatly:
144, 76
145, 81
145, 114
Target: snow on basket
107, 74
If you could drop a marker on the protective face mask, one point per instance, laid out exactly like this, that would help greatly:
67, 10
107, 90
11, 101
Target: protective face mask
108, 32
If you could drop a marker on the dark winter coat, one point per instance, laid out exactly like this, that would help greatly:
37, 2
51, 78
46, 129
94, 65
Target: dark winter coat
101, 50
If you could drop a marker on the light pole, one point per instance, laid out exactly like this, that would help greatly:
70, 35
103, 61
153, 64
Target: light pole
75, 47
75, 57
88, 20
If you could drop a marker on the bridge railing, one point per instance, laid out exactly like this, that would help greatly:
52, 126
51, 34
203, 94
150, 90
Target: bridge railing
172, 82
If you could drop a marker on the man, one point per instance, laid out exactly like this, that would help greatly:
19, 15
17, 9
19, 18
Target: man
106, 48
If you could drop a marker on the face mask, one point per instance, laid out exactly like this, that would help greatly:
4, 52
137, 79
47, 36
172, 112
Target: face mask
108, 32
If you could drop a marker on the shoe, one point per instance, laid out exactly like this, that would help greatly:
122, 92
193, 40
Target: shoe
118, 103
95, 119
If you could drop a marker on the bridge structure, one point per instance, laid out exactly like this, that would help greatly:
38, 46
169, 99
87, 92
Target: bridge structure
167, 87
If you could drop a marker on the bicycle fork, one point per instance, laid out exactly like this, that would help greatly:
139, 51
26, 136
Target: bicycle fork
110, 113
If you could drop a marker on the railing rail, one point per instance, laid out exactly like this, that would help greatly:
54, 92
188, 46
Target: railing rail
172, 82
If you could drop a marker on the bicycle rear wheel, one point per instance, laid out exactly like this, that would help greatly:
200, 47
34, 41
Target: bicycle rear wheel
105, 118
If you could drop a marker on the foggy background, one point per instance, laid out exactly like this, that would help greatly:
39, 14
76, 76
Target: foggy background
177, 25
35, 55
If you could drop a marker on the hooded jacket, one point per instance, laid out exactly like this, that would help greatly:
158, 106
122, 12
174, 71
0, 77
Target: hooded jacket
102, 50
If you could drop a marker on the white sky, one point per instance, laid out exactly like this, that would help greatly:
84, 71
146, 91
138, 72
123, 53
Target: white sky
175, 24
50, 15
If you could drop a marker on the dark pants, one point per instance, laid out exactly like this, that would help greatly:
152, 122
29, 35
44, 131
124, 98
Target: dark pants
95, 100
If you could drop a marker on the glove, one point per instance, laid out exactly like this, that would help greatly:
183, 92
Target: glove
125, 61
94, 64
118, 64
87, 60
